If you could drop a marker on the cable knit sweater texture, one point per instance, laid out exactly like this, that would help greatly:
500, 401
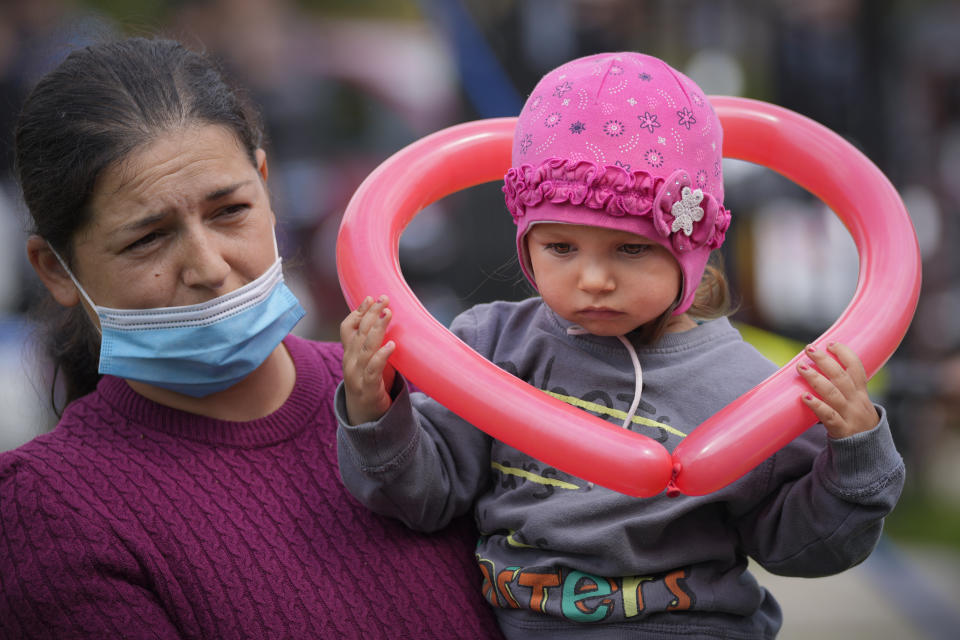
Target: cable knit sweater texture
135, 520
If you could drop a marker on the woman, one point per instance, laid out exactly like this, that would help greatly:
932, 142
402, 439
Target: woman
190, 488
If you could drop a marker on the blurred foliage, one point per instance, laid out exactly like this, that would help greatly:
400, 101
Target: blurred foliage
925, 519
781, 350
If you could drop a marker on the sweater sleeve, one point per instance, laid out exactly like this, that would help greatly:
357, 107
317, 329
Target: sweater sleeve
823, 518
420, 462
63, 574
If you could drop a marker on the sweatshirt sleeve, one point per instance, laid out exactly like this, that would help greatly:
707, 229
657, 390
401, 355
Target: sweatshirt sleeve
64, 574
419, 463
823, 518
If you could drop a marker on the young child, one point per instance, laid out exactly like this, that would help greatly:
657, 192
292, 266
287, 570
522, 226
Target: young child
617, 193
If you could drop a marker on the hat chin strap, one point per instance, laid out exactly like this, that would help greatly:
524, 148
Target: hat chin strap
577, 330
637, 381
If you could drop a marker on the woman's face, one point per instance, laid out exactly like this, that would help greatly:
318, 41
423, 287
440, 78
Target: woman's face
180, 221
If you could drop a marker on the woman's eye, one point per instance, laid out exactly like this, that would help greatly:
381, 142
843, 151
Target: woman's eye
561, 248
635, 249
234, 209
143, 241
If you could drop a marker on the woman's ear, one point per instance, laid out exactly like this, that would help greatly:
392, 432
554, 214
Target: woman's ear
51, 273
261, 157
261, 160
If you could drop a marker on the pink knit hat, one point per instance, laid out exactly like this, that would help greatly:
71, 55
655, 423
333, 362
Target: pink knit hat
623, 141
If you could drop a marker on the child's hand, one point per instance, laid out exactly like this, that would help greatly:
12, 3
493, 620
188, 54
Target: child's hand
367, 378
841, 402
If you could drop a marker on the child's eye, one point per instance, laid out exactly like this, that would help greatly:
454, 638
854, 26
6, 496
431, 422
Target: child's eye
560, 248
635, 249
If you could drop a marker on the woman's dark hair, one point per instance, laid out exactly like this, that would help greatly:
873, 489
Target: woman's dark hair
87, 115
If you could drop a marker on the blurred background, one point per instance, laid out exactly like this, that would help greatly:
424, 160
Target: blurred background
342, 84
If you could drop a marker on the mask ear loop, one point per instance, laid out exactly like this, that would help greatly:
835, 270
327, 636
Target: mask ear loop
76, 283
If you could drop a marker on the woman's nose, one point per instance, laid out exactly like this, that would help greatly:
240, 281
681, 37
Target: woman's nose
203, 263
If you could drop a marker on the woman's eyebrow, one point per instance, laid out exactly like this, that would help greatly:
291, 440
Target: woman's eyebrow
144, 222
225, 191
156, 217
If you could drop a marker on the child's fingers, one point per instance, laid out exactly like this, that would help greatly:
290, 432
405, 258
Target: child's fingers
826, 414
832, 370
373, 316
839, 399
356, 326
362, 334
367, 384
372, 338
374, 371
351, 323
823, 386
850, 361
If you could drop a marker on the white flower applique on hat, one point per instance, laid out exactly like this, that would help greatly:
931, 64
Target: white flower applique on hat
686, 210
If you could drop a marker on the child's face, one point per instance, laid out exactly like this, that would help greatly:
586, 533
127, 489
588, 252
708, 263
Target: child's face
607, 281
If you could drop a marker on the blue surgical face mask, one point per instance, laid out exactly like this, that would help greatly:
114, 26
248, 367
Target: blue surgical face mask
197, 349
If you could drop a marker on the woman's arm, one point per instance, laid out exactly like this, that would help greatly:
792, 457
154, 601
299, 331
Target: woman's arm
63, 575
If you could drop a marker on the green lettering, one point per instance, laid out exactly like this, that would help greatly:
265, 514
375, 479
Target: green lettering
578, 588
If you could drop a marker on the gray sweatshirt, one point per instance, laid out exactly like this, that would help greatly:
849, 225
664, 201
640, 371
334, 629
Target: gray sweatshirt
561, 557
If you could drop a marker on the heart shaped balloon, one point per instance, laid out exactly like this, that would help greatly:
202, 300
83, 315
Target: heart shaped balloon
737, 438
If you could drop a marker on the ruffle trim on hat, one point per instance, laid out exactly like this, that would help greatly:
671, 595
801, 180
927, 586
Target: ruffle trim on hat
691, 218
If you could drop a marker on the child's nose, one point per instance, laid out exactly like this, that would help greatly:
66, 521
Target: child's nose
595, 277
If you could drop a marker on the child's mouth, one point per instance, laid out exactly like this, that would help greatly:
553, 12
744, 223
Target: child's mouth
599, 312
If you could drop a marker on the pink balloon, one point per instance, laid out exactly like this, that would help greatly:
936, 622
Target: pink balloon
438, 362
734, 440
759, 423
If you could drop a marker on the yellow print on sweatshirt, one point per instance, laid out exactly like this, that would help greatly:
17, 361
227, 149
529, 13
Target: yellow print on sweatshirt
600, 409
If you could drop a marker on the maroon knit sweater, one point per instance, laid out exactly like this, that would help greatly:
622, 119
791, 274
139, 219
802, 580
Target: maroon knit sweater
135, 520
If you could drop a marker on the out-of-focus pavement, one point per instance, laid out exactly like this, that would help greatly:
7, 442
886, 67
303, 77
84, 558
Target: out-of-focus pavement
898, 593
